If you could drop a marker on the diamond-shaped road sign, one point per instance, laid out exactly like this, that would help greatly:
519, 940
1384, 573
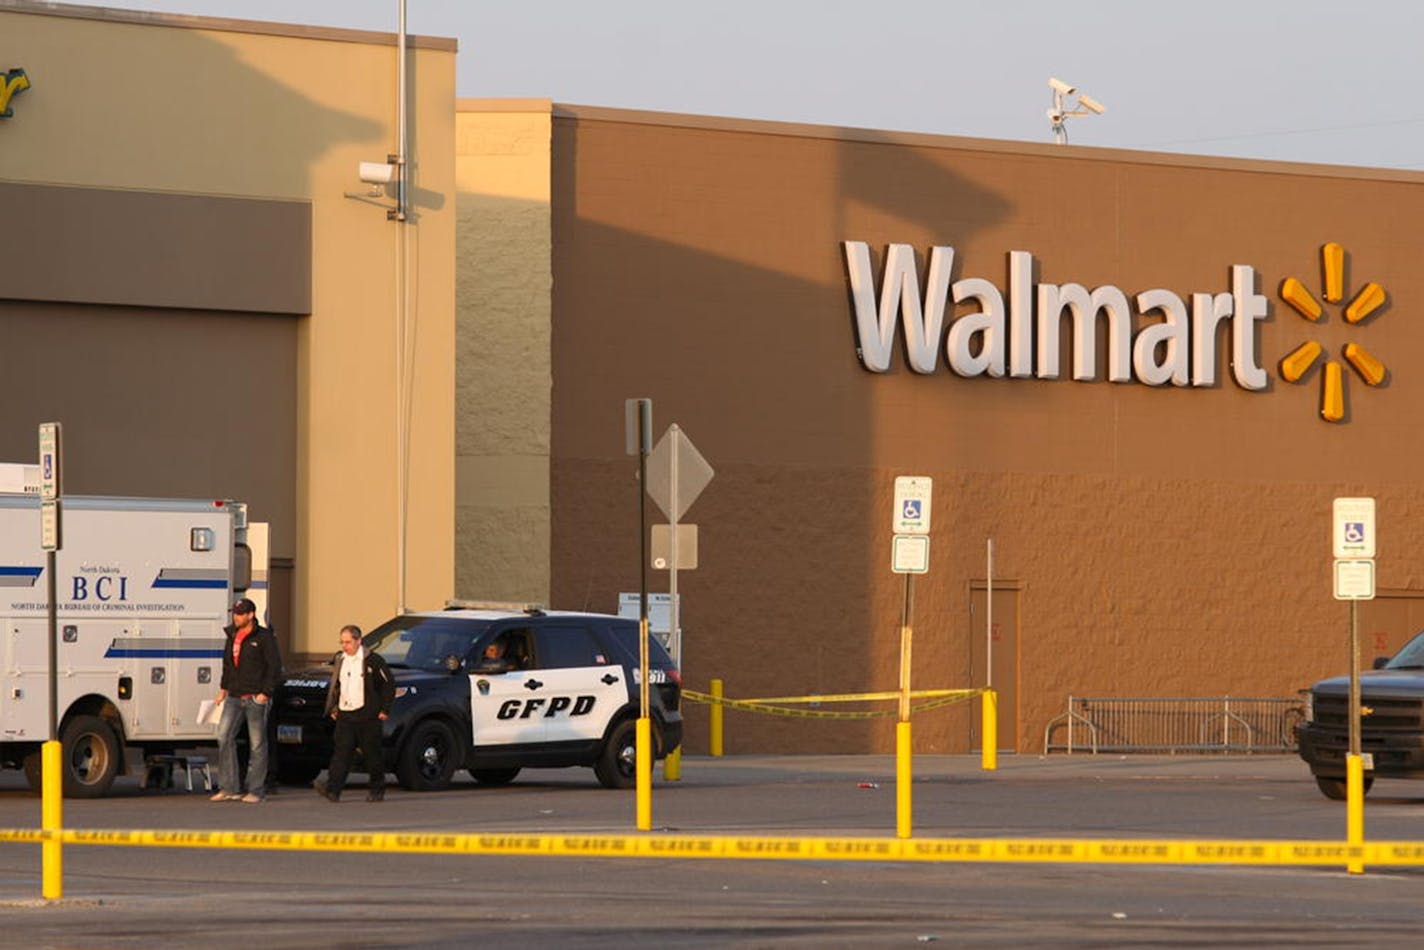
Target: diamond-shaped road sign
677, 473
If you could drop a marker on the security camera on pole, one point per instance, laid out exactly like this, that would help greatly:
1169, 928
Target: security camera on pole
1354, 548
1061, 112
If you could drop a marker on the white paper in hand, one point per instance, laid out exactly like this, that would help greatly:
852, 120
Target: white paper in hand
209, 713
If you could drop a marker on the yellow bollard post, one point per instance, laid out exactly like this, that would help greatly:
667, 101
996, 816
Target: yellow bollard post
672, 765
903, 775
990, 754
644, 764
52, 818
714, 742
1355, 808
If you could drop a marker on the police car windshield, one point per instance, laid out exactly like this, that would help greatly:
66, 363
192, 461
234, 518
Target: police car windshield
424, 643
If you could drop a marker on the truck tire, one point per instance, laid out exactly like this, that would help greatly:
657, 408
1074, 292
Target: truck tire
493, 776
429, 757
91, 757
34, 771
1334, 788
617, 763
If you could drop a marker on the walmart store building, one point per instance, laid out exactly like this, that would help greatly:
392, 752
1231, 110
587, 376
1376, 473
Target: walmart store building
1143, 377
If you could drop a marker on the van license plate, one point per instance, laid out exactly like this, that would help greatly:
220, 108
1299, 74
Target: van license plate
290, 734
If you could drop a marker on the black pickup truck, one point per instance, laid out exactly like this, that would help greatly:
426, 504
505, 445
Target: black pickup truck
1391, 722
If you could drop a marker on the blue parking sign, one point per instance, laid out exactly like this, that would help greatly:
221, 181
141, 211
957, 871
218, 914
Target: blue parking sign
912, 504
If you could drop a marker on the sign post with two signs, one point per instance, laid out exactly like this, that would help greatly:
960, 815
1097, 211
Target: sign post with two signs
677, 474
1353, 536
673, 473
909, 555
51, 439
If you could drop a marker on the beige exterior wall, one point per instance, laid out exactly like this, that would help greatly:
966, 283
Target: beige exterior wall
183, 104
504, 385
1160, 541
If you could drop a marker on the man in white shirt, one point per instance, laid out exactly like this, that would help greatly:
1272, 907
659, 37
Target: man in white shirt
359, 698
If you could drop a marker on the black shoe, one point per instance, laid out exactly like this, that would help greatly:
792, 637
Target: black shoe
376, 795
324, 792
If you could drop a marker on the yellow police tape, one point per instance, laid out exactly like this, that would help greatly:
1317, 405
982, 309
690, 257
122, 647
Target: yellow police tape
764, 704
1042, 850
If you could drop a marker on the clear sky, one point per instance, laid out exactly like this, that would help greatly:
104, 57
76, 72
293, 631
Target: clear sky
1296, 80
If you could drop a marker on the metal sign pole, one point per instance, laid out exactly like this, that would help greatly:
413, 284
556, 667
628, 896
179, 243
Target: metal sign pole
642, 568
905, 646
51, 440
674, 624
1354, 677
672, 765
989, 620
643, 736
53, 588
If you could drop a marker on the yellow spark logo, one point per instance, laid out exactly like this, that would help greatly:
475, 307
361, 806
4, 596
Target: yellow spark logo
12, 83
1370, 298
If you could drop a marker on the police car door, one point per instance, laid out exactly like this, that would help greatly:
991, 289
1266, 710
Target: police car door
499, 711
581, 685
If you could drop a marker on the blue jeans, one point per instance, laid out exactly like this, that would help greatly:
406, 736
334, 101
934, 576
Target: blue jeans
235, 710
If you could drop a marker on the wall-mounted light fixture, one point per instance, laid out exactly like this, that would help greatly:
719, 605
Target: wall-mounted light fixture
377, 173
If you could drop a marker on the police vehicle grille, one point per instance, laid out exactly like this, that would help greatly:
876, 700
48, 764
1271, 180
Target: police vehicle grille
304, 704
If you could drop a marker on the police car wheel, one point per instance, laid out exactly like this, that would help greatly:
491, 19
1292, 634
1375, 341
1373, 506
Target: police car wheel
493, 776
91, 757
297, 773
429, 758
617, 764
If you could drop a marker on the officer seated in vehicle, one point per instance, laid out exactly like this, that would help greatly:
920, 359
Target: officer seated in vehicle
493, 659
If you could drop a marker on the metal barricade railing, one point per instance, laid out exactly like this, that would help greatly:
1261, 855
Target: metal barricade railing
1183, 724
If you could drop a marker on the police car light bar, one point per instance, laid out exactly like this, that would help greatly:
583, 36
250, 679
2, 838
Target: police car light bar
531, 609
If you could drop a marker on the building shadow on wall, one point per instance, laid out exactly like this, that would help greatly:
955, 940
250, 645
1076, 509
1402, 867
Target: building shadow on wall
162, 396
704, 269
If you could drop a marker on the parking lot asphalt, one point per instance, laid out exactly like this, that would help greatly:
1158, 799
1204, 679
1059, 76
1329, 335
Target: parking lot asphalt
128, 896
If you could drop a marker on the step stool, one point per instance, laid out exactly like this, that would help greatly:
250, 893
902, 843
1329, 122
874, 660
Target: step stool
159, 770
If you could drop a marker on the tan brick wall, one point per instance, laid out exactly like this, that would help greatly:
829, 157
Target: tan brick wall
503, 391
1165, 541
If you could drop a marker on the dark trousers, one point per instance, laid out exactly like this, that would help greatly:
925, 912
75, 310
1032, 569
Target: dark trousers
352, 729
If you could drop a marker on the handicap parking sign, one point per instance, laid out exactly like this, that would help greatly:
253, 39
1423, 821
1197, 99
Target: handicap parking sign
912, 504
1354, 532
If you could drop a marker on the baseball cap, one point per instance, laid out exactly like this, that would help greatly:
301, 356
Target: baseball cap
244, 606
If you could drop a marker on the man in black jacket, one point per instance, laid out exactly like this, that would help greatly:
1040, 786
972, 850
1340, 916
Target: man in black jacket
251, 667
359, 698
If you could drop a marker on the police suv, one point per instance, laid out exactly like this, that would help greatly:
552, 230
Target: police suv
495, 689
